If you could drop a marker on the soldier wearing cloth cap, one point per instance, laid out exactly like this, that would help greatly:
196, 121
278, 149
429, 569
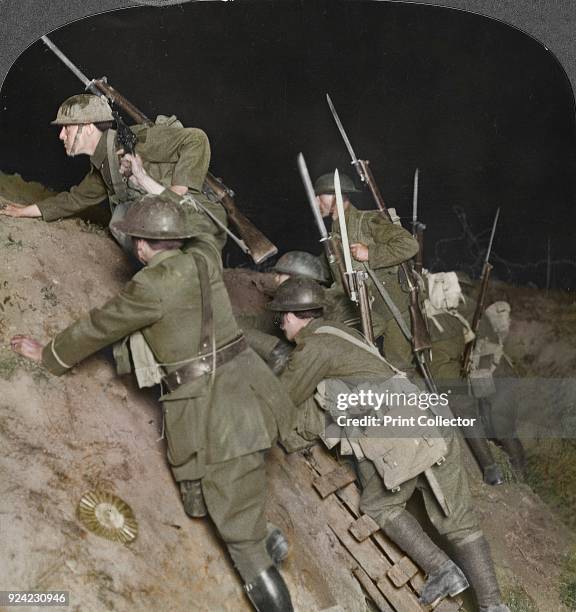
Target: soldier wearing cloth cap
168, 156
222, 406
382, 246
330, 357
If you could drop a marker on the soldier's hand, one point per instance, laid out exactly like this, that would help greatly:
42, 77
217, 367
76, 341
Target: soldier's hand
27, 347
131, 165
359, 251
13, 210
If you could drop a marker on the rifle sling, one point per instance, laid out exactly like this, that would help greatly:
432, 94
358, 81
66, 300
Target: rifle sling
390, 303
118, 182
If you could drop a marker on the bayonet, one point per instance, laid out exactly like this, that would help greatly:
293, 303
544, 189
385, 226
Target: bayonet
344, 237
480, 303
417, 226
355, 160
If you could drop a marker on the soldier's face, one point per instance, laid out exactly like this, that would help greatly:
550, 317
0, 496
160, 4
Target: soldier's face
281, 278
326, 203
289, 325
68, 136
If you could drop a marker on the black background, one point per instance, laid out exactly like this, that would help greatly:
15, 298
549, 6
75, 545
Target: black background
482, 109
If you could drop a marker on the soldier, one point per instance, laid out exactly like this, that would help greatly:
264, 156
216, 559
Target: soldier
494, 370
265, 337
331, 354
222, 407
449, 332
173, 158
382, 245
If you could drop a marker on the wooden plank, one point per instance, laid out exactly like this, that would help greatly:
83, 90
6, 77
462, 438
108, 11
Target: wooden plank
374, 564
402, 599
401, 572
331, 482
363, 527
321, 460
448, 605
417, 582
371, 590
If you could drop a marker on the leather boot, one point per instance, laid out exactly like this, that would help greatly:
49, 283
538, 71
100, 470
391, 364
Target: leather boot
483, 454
515, 451
444, 576
268, 592
475, 559
276, 544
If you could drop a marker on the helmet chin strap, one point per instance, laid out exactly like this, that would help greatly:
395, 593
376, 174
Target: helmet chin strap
75, 143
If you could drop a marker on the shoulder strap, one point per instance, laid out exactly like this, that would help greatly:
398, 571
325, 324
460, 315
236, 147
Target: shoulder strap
120, 189
335, 331
206, 340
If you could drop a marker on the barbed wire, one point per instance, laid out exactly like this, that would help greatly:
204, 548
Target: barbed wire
475, 245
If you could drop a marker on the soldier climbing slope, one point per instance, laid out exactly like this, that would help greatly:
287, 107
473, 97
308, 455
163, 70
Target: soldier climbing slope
222, 406
330, 357
450, 331
381, 245
172, 157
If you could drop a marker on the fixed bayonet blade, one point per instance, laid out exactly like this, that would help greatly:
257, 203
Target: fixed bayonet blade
303, 168
341, 129
415, 201
492, 235
87, 82
344, 235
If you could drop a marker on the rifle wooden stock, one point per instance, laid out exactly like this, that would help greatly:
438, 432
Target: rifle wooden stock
260, 247
419, 257
467, 355
364, 305
420, 335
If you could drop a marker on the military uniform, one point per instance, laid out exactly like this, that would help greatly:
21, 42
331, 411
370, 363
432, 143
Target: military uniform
219, 424
171, 155
320, 356
388, 246
449, 333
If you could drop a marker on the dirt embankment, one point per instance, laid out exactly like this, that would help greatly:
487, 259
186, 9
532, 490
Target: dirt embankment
63, 436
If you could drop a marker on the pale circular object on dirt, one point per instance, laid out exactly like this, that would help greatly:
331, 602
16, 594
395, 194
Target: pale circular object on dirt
108, 516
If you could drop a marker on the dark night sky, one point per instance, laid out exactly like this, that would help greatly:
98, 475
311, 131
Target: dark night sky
483, 110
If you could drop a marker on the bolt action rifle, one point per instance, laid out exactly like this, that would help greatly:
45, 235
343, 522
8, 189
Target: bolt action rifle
353, 281
420, 335
480, 303
256, 244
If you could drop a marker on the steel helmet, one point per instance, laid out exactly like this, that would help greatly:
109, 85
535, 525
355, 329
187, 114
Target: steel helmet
297, 294
301, 263
83, 108
325, 184
157, 218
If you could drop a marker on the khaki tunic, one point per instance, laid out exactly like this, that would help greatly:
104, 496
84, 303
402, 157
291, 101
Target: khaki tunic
207, 420
388, 246
170, 155
322, 356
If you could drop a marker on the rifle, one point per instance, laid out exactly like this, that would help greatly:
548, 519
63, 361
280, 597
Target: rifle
352, 281
417, 227
357, 289
258, 246
480, 303
420, 335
